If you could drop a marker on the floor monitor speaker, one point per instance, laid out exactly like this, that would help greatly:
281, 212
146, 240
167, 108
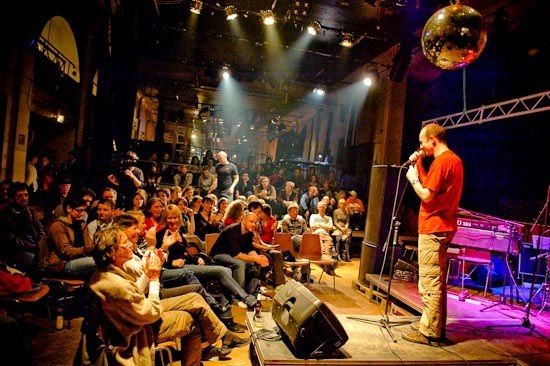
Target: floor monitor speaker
309, 327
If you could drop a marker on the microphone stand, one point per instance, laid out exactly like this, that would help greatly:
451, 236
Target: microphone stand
525, 321
385, 322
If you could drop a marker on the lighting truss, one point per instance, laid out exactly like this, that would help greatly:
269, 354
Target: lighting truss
534, 103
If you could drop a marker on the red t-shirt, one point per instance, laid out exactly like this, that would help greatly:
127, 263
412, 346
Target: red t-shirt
445, 178
229, 221
267, 232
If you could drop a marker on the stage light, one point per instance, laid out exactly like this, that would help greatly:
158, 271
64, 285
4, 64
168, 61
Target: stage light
195, 7
60, 117
319, 91
347, 40
367, 81
193, 136
314, 27
225, 73
267, 17
230, 12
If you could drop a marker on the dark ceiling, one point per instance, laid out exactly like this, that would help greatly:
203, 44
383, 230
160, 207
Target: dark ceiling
188, 49
183, 52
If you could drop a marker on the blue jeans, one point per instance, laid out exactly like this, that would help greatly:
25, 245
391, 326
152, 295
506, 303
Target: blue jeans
220, 273
179, 277
240, 269
80, 267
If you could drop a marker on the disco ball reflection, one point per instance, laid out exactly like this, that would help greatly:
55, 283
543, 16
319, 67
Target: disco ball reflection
454, 37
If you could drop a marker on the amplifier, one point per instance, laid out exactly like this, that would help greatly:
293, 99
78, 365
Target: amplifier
405, 270
526, 264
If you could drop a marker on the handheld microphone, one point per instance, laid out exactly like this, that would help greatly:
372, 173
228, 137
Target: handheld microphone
412, 162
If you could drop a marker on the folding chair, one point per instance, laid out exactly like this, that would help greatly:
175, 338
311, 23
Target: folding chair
311, 250
19, 301
210, 239
165, 349
284, 240
196, 240
475, 257
63, 290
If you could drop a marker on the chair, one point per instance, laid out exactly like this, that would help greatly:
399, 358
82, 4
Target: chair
62, 292
411, 247
195, 239
284, 240
475, 257
311, 250
210, 239
166, 348
26, 298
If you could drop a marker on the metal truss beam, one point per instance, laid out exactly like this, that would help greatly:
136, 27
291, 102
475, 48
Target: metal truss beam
530, 104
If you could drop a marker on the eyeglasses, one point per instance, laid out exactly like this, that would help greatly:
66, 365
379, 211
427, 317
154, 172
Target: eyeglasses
80, 209
125, 245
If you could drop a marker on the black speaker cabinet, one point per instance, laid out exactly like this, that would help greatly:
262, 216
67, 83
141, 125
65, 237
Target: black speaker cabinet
309, 327
527, 260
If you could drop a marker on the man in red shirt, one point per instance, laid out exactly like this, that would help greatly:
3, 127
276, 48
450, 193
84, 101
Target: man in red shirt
439, 191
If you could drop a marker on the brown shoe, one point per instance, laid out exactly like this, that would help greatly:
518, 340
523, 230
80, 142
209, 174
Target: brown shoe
417, 337
415, 326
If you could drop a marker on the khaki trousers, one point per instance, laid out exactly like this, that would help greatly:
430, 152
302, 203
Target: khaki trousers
190, 318
432, 286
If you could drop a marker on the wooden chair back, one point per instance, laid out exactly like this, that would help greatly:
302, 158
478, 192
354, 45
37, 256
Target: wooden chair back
210, 239
311, 247
284, 240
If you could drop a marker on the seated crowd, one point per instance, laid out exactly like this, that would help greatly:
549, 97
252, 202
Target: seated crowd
141, 246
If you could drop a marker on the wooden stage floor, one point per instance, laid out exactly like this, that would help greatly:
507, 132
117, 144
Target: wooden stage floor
470, 342
371, 345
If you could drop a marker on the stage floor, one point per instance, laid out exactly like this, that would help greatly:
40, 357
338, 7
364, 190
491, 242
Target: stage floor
369, 344
470, 342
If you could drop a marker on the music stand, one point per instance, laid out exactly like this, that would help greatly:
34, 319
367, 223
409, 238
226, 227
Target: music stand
525, 321
384, 321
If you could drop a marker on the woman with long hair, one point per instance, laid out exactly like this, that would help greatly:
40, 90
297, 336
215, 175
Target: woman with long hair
265, 190
342, 233
268, 224
138, 200
187, 215
234, 212
206, 221
153, 211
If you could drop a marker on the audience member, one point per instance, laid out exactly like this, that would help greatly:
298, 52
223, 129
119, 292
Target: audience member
131, 313
308, 202
234, 249
342, 232
68, 247
227, 177
245, 186
20, 229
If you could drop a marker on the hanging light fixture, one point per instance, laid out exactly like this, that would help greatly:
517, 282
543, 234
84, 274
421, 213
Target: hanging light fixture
225, 72
314, 27
267, 17
319, 91
347, 40
230, 12
195, 6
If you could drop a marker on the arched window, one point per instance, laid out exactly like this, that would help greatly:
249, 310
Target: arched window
58, 44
